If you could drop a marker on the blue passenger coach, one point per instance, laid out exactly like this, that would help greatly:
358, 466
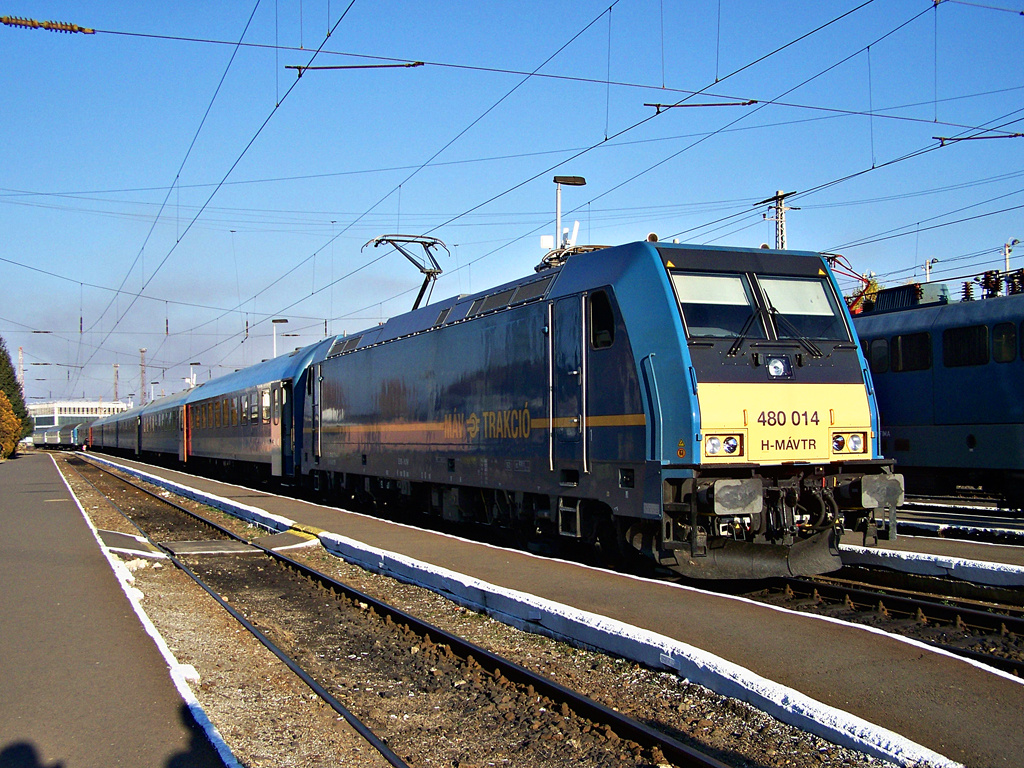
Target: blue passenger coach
241, 422
705, 406
949, 377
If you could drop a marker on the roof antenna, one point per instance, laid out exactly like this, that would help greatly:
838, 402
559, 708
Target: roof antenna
429, 273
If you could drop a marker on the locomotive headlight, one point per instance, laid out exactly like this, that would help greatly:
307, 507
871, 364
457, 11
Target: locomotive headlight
851, 442
727, 445
779, 367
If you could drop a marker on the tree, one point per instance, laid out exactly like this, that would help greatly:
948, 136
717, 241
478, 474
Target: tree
11, 387
10, 428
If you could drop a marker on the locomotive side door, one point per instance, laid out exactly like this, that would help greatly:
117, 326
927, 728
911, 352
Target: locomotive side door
567, 375
315, 393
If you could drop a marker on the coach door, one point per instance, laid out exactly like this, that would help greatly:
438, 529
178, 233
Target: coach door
287, 435
276, 445
567, 376
184, 434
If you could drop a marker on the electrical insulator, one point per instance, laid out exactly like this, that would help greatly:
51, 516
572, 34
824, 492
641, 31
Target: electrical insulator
52, 26
992, 283
1015, 282
968, 292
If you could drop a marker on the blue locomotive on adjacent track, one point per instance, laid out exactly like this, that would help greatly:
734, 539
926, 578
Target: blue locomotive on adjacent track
948, 377
705, 406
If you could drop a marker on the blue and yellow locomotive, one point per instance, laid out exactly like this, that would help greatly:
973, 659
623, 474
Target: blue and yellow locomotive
706, 406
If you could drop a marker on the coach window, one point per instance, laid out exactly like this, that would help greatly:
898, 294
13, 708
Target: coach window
1004, 342
602, 321
245, 410
878, 355
911, 352
277, 406
265, 402
234, 411
216, 415
965, 346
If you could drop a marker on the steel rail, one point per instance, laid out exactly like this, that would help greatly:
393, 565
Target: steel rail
625, 727
930, 609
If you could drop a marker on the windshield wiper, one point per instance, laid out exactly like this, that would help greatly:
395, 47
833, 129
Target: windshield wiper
743, 332
807, 344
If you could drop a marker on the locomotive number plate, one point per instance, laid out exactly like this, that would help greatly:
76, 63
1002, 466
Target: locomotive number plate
788, 418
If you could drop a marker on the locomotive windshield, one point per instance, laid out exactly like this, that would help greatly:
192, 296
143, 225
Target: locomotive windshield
803, 308
726, 305
718, 305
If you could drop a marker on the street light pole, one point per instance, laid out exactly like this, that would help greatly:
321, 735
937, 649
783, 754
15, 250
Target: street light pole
569, 181
1007, 247
275, 322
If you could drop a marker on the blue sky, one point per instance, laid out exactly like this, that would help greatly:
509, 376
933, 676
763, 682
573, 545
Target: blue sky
163, 187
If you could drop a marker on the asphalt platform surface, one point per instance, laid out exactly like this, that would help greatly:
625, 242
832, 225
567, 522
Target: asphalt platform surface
81, 683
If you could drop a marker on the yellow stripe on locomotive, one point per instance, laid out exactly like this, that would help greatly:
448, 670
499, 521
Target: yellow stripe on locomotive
775, 424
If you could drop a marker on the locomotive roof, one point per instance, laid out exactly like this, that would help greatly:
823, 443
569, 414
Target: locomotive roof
938, 316
542, 283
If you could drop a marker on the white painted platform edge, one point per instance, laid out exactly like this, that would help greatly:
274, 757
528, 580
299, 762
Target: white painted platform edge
975, 571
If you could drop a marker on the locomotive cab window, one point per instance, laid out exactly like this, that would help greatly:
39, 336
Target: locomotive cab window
804, 308
1004, 342
878, 355
719, 305
602, 321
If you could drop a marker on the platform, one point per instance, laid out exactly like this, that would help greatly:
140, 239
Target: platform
83, 684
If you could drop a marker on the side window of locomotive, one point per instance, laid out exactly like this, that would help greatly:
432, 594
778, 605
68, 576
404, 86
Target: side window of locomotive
878, 355
718, 305
602, 321
965, 346
804, 308
911, 352
1004, 342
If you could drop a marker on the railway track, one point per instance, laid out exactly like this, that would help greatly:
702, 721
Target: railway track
347, 645
986, 625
